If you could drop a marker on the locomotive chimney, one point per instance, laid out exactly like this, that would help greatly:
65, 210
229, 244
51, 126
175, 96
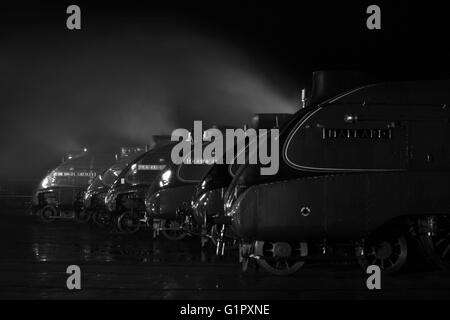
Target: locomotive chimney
327, 84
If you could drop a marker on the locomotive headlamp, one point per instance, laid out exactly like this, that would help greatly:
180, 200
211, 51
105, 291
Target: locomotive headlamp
165, 178
48, 181
45, 183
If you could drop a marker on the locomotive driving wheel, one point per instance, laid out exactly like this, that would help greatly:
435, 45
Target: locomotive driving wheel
172, 230
388, 251
48, 213
128, 223
435, 244
281, 258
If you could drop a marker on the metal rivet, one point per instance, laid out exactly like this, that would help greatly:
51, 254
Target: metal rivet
305, 211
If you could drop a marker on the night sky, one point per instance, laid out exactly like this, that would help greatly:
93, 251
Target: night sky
135, 70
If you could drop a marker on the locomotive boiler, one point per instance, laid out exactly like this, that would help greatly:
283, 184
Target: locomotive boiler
361, 166
60, 194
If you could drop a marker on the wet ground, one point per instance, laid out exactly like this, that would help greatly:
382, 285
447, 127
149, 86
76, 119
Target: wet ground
35, 255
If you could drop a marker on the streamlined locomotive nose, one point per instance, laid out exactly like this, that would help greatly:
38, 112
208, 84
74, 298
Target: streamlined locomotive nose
279, 211
164, 203
208, 206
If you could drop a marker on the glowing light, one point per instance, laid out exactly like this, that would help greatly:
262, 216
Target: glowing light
166, 175
45, 183
49, 180
165, 178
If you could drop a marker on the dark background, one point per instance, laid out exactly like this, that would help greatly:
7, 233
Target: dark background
137, 69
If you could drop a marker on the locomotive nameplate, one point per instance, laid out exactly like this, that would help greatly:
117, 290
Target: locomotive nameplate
144, 167
75, 174
365, 133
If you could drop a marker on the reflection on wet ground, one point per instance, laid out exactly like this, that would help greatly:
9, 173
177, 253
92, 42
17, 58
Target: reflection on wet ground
35, 256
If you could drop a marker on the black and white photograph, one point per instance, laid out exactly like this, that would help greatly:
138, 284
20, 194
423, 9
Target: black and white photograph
230, 156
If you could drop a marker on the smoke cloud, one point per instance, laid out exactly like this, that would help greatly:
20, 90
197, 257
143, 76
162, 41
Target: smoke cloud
107, 90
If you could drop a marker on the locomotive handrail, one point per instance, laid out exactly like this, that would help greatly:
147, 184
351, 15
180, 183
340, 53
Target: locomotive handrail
365, 103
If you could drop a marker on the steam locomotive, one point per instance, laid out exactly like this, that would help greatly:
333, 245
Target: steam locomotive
94, 199
125, 198
181, 201
362, 167
168, 200
60, 194
207, 202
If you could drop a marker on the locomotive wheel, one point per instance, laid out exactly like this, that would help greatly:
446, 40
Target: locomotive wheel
172, 230
83, 216
48, 213
388, 252
436, 247
281, 258
127, 223
102, 219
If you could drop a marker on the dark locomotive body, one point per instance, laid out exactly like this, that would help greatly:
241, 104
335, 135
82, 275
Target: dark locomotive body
360, 167
94, 199
125, 198
207, 208
207, 203
168, 200
60, 194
